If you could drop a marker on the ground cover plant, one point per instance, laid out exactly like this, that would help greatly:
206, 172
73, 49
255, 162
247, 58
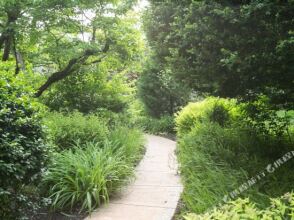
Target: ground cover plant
219, 151
88, 173
130, 141
280, 208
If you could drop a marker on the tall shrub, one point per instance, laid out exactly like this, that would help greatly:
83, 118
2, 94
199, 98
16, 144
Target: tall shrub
23, 150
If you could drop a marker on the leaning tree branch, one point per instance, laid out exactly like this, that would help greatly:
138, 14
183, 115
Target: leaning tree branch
72, 66
96, 61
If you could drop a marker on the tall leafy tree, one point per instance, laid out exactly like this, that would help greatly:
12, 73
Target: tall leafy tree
158, 89
160, 92
227, 48
106, 84
60, 37
14, 14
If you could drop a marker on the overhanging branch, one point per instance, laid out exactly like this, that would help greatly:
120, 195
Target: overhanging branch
73, 65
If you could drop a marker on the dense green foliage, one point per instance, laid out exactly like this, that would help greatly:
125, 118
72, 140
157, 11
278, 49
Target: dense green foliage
226, 48
267, 120
92, 160
96, 31
281, 208
105, 85
67, 130
89, 91
160, 92
22, 142
104, 157
130, 141
219, 151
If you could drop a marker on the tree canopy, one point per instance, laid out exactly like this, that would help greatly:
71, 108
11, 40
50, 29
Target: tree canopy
58, 38
227, 48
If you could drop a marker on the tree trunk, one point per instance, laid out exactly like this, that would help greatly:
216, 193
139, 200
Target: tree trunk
7, 48
8, 33
17, 69
2, 40
57, 76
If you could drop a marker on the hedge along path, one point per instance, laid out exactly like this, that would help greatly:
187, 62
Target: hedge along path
155, 193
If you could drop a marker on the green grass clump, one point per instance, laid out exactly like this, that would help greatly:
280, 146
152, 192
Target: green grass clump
66, 130
86, 176
218, 152
281, 208
211, 159
130, 141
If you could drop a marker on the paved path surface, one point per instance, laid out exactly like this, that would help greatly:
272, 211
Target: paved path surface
155, 192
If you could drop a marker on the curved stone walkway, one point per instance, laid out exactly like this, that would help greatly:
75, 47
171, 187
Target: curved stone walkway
155, 192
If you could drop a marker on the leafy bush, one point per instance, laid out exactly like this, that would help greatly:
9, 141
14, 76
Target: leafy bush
266, 120
66, 130
22, 143
210, 109
281, 208
86, 175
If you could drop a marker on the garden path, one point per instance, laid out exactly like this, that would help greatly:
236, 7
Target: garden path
155, 193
